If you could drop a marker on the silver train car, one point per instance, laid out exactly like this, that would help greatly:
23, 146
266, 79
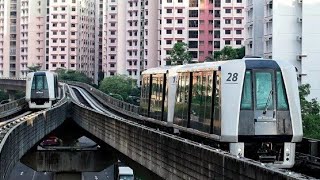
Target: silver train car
252, 105
41, 89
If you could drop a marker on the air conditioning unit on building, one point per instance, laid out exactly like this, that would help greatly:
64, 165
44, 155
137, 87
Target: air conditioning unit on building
300, 1
300, 56
299, 38
299, 19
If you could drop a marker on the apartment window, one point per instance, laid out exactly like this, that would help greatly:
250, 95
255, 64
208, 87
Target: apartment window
239, 11
228, 1
169, 21
72, 65
54, 24
227, 42
216, 44
54, 57
54, 49
227, 21
73, 1
228, 11
179, 10
239, 1
169, 1
180, 1
73, 9
73, 17
55, 16
62, 49
227, 31
54, 65
54, 32
63, 32
238, 42
63, 24
238, 31
238, 21
63, 40
180, 21
63, 9
179, 31
73, 49
168, 31
168, 41
169, 11
62, 65
63, 16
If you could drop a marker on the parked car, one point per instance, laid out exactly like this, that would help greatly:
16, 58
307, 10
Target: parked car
51, 141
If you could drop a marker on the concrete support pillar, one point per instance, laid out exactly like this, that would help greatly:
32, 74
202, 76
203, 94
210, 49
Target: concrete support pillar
68, 176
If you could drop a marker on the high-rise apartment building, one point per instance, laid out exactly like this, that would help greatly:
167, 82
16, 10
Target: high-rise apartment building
22, 26
51, 34
287, 30
139, 34
206, 26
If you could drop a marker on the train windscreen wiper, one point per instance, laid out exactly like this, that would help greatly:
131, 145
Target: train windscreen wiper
267, 103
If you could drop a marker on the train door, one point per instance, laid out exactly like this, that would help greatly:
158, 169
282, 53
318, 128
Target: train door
265, 120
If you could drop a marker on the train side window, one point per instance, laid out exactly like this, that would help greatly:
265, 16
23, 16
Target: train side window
246, 100
282, 101
45, 83
181, 105
33, 86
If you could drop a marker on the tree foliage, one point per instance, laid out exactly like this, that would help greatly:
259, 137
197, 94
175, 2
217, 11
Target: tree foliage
310, 113
34, 68
227, 53
71, 75
3, 95
179, 54
121, 86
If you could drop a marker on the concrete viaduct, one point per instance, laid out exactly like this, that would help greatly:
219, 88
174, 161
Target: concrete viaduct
166, 155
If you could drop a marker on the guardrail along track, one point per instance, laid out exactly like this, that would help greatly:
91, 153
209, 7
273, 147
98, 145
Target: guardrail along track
12, 107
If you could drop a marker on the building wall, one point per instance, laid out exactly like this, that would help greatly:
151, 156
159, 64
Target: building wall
290, 32
310, 64
50, 34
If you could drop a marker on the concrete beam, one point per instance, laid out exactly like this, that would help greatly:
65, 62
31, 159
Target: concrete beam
13, 84
69, 160
168, 156
68, 176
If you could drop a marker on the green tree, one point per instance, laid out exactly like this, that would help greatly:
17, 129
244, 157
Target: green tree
226, 53
71, 75
34, 68
120, 87
179, 54
310, 113
3, 95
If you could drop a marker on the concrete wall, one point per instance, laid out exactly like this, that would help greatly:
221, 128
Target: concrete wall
169, 156
13, 84
20, 137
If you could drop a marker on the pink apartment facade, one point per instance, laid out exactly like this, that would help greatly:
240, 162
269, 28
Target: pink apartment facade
139, 34
51, 34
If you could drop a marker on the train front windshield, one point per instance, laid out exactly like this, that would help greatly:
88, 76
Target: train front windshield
266, 88
39, 83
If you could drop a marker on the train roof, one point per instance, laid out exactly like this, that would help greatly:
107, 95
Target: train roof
205, 66
158, 70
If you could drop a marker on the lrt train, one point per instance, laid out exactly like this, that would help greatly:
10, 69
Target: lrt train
252, 105
42, 89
